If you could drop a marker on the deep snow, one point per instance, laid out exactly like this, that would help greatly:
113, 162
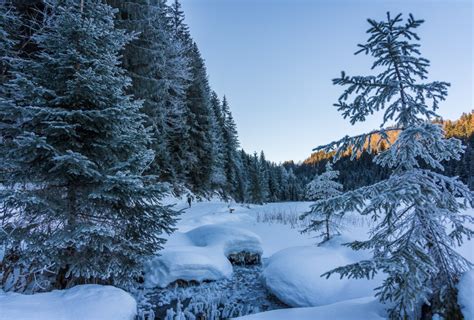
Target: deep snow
466, 295
294, 276
207, 233
84, 302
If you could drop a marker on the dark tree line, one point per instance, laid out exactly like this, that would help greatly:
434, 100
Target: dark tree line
362, 171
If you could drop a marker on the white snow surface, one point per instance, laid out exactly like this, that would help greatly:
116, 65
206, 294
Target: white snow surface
367, 308
208, 233
84, 302
294, 276
466, 295
200, 254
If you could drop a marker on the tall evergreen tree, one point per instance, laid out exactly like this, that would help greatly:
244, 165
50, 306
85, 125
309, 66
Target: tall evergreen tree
241, 193
159, 70
231, 144
265, 176
76, 203
417, 210
200, 124
255, 180
179, 27
218, 177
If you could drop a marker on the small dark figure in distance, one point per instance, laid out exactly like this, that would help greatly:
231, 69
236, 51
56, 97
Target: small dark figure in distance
189, 200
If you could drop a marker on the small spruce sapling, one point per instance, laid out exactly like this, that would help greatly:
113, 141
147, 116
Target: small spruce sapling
322, 187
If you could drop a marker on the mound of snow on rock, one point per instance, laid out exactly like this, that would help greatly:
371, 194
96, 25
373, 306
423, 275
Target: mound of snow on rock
466, 295
189, 263
230, 239
200, 254
367, 308
294, 276
82, 302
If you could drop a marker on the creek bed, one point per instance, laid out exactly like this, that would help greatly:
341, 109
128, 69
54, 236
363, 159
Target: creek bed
244, 293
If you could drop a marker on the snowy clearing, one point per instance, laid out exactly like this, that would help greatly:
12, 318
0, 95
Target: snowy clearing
84, 302
207, 233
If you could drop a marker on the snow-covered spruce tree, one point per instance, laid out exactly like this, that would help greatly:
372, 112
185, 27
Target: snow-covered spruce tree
158, 67
265, 175
255, 180
218, 177
241, 193
322, 187
416, 211
198, 100
76, 204
231, 144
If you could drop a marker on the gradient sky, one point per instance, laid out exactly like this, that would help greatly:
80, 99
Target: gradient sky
274, 60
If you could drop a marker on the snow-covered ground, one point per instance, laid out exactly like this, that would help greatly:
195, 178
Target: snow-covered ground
357, 309
294, 266
466, 295
206, 235
200, 254
84, 302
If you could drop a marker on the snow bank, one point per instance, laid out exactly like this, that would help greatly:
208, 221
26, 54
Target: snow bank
367, 308
466, 295
294, 276
200, 254
84, 302
189, 263
230, 239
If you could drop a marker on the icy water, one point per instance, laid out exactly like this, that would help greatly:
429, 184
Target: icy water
243, 294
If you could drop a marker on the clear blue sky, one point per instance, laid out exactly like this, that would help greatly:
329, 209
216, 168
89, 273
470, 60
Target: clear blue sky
274, 60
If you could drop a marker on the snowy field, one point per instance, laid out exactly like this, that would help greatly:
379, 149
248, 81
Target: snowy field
212, 231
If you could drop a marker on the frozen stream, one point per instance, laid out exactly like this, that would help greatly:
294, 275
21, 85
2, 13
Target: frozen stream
243, 294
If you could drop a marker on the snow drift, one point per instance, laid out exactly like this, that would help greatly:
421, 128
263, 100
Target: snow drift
294, 276
200, 254
84, 302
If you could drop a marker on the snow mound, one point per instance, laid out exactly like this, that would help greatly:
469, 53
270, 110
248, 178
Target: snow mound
82, 302
189, 263
466, 295
230, 239
294, 276
367, 308
200, 254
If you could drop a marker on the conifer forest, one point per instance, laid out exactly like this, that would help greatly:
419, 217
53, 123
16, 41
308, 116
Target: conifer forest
130, 189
